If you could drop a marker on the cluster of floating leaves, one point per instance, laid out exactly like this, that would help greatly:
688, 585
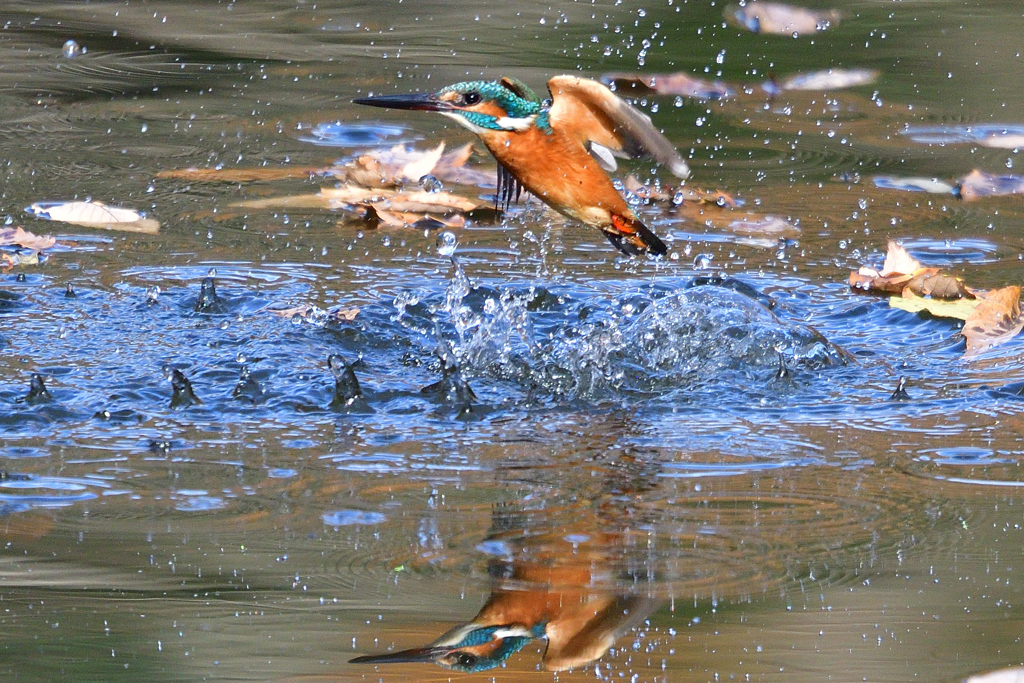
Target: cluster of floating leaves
990, 317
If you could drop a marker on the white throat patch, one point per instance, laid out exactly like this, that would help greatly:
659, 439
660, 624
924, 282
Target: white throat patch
506, 123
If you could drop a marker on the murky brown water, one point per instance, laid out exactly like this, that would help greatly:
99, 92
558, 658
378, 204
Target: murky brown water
673, 511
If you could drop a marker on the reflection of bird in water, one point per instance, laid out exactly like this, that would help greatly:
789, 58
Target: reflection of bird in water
531, 602
557, 150
559, 587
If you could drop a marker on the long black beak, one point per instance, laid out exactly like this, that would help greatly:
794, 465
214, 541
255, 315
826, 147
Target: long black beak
412, 101
419, 654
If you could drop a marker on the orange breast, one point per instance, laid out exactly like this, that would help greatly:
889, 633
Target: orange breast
560, 172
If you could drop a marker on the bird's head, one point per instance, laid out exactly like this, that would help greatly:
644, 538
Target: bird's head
466, 648
481, 106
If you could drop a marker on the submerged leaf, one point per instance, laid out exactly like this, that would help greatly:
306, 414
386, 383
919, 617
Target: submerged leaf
996, 320
773, 17
829, 79
681, 84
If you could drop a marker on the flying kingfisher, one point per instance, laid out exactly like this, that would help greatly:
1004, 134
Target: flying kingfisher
559, 149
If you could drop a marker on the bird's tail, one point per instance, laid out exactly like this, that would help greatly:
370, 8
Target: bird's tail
632, 237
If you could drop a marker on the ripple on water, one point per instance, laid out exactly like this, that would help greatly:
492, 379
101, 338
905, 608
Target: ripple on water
340, 134
25, 492
337, 518
188, 500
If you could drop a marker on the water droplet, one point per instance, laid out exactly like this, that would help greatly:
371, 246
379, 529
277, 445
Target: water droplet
72, 49
678, 198
145, 127
446, 243
431, 184
863, 204
720, 58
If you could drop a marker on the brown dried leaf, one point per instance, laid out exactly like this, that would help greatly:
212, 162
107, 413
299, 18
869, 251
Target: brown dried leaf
776, 18
903, 274
301, 311
309, 311
763, 225
241, 175
979, 184
898, 260
380, 215
346, 314
299, 201
995, 320
25, 239
930, 282
392, 167
433, 201
352, 194
95, 215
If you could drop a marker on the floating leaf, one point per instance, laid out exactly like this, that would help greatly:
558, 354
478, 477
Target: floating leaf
378, 215
763, 225
930, 282
681, 84
241, 175
987, 135
311, 312
932, 185
830, 79
980, 184
94, 215
424, 202
25, 239
960, 309
995, 320
400, 165
772, 17
898, 260
901, 273
974, 185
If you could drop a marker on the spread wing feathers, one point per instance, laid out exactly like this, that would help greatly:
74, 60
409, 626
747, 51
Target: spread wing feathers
582, 107
509, 189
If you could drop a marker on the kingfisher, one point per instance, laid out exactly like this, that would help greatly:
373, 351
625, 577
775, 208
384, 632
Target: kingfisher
558, 150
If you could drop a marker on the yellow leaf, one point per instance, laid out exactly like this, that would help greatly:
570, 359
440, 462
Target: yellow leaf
960, 309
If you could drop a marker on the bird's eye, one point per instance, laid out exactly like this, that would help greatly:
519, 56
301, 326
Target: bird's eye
471, 97
466, 660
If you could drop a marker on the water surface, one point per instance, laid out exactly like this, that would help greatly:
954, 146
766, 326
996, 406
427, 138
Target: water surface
699, 458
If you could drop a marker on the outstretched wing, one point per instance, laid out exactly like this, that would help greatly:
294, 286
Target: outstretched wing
589, 110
